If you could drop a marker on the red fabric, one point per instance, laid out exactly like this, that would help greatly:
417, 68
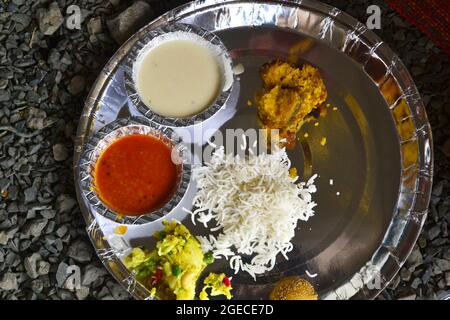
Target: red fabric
432, 17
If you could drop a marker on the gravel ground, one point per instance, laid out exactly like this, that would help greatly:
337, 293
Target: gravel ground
46, 71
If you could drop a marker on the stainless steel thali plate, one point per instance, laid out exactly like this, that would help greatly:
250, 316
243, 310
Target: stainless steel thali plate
378, 152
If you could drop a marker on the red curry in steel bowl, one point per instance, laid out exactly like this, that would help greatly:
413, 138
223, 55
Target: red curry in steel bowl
135, 174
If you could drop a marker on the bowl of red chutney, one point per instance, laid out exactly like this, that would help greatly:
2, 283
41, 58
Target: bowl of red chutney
134, 171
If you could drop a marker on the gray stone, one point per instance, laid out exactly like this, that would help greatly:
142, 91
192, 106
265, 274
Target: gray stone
61, 274
37, 285
4, 184
59, 245
50, 20
30, 194
60, 152
48, 213
43, 267
66, 59
93, 39
94, 25
9, 282
441, 284
442, 264
405, 274
64, 203
4, 95
415, 259
416, 283
24, 245
36, 123
80, 251
427, 275
446, 254
35, 118
434, 232
24, 63
91, 274
35, 227
436, 271
30, 264
13, 207
61, 231
104, 294
65, 294
15, 118
437, 189
82, 293
439, 242
447, 279
76, 85
117, 291
22, 21
6, 235
6, 73
444, 229
33, 97
3, 83
54, 59
12, 259
129, 21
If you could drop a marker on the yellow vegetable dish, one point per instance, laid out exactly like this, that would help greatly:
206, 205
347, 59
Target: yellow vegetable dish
172, 269
289, 97
218, 283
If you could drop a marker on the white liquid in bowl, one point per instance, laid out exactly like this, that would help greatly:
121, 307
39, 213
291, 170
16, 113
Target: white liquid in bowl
178, 78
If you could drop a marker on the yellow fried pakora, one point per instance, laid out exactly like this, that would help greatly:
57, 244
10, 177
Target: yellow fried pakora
290, 94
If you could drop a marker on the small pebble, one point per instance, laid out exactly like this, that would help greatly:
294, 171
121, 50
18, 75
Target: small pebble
60, 152
76, 85
434, 232
50, 19
30, 264
92, 274
80, 251
447, 279
9, 281
94, 25
416, 283
129, 21
405, 274
442, 264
